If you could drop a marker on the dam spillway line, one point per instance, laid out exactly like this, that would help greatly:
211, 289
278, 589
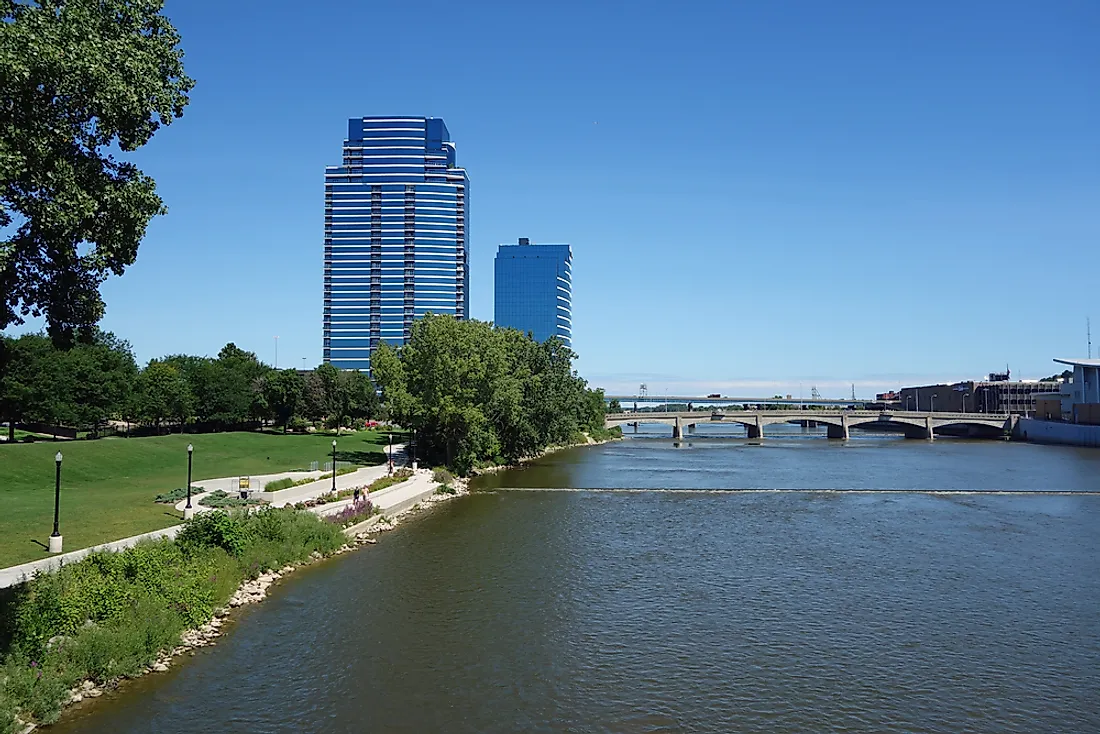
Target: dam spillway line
670, 490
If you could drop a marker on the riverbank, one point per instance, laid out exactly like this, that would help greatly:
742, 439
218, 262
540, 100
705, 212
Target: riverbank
42, 663
589, 441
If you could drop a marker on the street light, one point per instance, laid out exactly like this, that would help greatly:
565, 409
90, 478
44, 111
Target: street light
187, 510
55, 537
389, 454
412, 448
932, 407
964, 396
334, 465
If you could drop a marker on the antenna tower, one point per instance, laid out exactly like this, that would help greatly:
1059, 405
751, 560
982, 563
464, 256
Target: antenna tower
814, 394
853, 392
643, 390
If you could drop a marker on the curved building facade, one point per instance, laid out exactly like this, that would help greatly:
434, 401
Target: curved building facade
534, 290
396, 235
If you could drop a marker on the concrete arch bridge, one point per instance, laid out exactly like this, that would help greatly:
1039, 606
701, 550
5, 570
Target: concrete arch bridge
914, 424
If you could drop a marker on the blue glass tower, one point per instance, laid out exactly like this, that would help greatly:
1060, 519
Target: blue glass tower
396, 216
534, 289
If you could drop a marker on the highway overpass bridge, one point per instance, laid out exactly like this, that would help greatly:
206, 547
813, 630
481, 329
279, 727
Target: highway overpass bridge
914, 424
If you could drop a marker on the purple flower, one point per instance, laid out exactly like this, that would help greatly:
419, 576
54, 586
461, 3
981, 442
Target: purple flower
34, 664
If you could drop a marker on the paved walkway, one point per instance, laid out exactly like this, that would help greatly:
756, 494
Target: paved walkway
284, 497
385, 499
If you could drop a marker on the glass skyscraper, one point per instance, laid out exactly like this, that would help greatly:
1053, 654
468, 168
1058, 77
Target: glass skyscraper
396, 217
534, 289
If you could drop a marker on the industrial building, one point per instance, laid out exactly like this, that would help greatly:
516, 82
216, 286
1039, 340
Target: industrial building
997, 394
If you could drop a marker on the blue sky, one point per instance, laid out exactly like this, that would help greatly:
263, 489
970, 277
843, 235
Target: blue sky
758, 195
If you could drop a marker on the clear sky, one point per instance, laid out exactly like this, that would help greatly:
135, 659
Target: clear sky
758, 194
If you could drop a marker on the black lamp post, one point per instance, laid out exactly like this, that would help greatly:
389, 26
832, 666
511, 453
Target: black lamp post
55, 537
190, 450
389, 455
412, 449
334, 465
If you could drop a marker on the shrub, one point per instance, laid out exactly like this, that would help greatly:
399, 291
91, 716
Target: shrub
214, 529
397, 477
354, 513
606, 434
442, 476
287, 483
176, 495
220, 498
445, 489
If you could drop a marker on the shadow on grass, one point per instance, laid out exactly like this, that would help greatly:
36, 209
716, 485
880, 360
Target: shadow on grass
40, 544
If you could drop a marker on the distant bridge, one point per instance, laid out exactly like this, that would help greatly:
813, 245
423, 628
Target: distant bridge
730, 400
914, 424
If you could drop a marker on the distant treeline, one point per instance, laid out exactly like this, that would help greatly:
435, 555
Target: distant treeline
474, 394
94, 385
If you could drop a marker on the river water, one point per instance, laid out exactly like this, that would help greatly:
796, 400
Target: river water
685, 611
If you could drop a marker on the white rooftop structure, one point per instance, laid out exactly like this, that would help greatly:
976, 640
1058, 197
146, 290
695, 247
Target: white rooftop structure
1085, 387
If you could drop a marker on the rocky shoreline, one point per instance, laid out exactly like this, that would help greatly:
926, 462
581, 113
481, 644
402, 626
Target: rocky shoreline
476, 472
252, 591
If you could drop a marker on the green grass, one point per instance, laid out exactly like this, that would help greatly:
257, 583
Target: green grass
108, 486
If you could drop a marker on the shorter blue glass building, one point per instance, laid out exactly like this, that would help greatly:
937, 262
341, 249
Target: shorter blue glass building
534, 289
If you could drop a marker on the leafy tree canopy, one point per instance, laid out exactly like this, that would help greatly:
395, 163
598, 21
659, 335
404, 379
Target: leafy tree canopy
78, 77
476, 394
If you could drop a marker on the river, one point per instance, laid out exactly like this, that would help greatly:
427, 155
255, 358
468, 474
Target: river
685, 611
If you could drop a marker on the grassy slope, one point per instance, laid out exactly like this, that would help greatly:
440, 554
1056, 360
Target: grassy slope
107, 486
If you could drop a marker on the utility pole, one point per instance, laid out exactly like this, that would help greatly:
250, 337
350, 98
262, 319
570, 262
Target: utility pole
276, 352
1088, 334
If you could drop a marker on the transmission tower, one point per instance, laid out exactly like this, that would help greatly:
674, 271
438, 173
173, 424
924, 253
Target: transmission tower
643, 390
853, 392
814, 394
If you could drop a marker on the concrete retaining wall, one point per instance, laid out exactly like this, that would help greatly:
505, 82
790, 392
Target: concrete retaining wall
1054, 432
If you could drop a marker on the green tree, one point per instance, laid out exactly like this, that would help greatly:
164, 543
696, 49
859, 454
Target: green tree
242, 387
29, 381
475, 393
97, 380
359, 396
163, 394
78, 78
313, 397
614, 407
282, 393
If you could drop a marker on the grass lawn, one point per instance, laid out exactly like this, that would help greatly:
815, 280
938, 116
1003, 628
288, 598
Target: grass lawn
108, 486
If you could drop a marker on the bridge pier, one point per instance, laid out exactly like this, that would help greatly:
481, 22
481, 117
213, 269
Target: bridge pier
841, 431
924, 432
678, 430
755, 430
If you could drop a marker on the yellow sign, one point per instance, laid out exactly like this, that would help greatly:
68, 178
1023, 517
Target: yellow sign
244, 483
